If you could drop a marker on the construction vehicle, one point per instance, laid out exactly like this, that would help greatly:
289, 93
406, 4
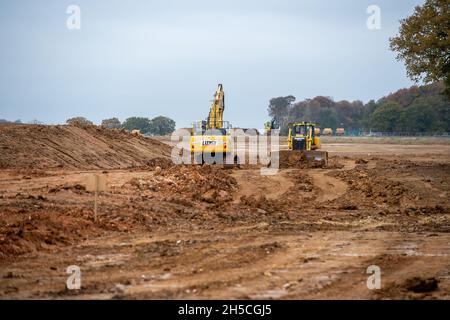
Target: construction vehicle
136, 132
211, 140
340, 131
302, 136
269, 126
327, 132
317, 131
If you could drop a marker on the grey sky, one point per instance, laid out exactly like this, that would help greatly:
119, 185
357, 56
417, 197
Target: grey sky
149, 58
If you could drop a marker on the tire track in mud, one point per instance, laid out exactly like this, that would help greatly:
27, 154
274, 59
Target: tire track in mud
237, 263
330, 188
252, 183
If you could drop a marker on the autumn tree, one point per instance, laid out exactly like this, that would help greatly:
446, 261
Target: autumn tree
418, 109
423, 43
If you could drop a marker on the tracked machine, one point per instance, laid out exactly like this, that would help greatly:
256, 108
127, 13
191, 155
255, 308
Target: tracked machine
211, 141
305, 138
269, 126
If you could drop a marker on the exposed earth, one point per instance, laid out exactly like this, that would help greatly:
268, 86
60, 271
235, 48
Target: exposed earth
190, 232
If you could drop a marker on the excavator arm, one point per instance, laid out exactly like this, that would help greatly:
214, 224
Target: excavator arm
215, 117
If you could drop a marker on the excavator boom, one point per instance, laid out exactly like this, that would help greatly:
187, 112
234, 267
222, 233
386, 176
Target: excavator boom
215, 117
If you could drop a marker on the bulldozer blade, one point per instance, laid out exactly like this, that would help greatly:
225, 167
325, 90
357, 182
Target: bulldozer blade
300, 158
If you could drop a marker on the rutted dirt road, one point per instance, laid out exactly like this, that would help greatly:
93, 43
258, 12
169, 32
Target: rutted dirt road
330, 188
204, 232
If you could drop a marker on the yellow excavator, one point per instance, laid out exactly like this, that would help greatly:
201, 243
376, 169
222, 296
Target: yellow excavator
211, 140
304, 136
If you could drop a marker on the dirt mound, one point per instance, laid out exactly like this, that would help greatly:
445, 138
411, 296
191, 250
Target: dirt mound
206, 183
361, 161
418, 284
261, 203
296, 159
38, 232
33, 224
368, 188
418, 287
162, 163
71, 147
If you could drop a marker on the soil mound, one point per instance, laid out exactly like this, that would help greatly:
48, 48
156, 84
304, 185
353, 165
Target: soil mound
296, 159
73, 147
206, 183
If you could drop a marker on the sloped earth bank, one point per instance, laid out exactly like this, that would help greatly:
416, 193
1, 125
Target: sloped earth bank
34, 147
184, 232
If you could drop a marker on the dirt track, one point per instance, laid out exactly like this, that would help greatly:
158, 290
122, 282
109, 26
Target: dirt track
204, 232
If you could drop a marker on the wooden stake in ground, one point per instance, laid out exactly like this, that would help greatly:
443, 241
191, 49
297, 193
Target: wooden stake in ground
96, 197
96, 183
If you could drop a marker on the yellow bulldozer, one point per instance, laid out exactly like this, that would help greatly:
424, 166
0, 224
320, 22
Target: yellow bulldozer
304, 136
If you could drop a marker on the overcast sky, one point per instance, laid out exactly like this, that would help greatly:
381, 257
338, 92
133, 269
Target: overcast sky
150, 58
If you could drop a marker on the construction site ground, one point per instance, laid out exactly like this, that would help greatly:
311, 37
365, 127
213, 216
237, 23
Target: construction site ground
203, 232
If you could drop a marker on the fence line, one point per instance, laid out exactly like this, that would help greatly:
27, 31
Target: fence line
395, 134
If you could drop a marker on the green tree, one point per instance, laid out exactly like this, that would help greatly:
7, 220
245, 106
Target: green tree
369, 108
421, 117
442, 108
429, 114
161, 126
112, 123
379, 115
387, 117
79, 122
424, 43
137, 123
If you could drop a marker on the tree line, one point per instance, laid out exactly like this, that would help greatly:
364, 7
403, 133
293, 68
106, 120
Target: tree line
423, 44
418, 109
157, 126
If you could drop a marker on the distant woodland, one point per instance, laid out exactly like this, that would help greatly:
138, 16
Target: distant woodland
418, 109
